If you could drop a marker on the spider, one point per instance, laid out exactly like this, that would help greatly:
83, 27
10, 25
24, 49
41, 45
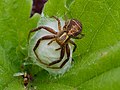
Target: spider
71, 29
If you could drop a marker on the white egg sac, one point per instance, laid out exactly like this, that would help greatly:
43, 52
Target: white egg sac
45, 52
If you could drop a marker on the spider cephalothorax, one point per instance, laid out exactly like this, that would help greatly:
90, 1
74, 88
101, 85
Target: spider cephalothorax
71, 29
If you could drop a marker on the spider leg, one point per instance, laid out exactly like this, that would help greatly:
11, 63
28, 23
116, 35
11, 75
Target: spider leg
59, 24
57, 49
61, 56
75, 46
42, 27
68, 56
51, 41
37, 44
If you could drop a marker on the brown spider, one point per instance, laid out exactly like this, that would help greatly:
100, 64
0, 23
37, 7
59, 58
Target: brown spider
71, 29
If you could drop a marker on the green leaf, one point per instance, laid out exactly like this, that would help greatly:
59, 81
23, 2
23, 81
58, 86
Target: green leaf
14, 27
97, 58
68, 3
55, 7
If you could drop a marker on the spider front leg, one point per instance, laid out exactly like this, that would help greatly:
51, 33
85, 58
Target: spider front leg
59, 24
38, 43
42, 27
